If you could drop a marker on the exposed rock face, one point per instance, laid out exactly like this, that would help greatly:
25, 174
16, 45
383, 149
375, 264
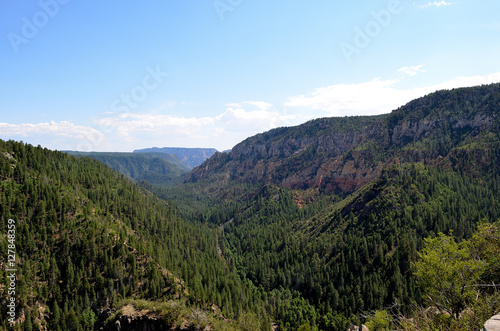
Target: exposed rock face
143, 323
343, 154
131, 323
493, 324
302, 162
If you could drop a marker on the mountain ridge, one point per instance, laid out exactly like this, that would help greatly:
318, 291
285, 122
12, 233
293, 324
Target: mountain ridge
191, 157
158, 169
342, 154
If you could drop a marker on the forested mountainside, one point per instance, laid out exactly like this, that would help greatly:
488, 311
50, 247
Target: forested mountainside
155, 168
91, 244
338, 208
191, 157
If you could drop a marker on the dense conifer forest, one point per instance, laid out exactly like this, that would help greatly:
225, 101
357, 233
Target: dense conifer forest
87, 238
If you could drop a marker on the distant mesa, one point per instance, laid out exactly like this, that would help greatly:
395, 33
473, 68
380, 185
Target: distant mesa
191, 157
155, 168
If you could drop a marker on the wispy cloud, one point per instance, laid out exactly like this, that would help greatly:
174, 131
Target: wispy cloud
374, 97
257, 104
128, 131
61, 129
57, 135
412, 71
221, 131
432, 4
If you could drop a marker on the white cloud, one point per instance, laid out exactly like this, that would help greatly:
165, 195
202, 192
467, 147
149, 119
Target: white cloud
128, 131
433, 4
60, 129
66, 134
222, 131
412, 71
154, 123
64, 128
257, 104
374, 97
238, 119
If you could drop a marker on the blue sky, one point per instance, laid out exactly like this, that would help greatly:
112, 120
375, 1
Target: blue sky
121, 75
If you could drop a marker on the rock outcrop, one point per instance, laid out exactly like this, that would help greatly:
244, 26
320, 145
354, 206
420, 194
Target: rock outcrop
493, 324
131, 322
287, 158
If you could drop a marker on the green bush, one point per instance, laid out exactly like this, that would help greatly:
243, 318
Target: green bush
380, 321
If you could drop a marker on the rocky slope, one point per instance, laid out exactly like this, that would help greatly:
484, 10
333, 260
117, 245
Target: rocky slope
129, 322
342, 154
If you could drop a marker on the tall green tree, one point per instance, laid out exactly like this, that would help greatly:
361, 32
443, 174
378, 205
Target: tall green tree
448, 273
